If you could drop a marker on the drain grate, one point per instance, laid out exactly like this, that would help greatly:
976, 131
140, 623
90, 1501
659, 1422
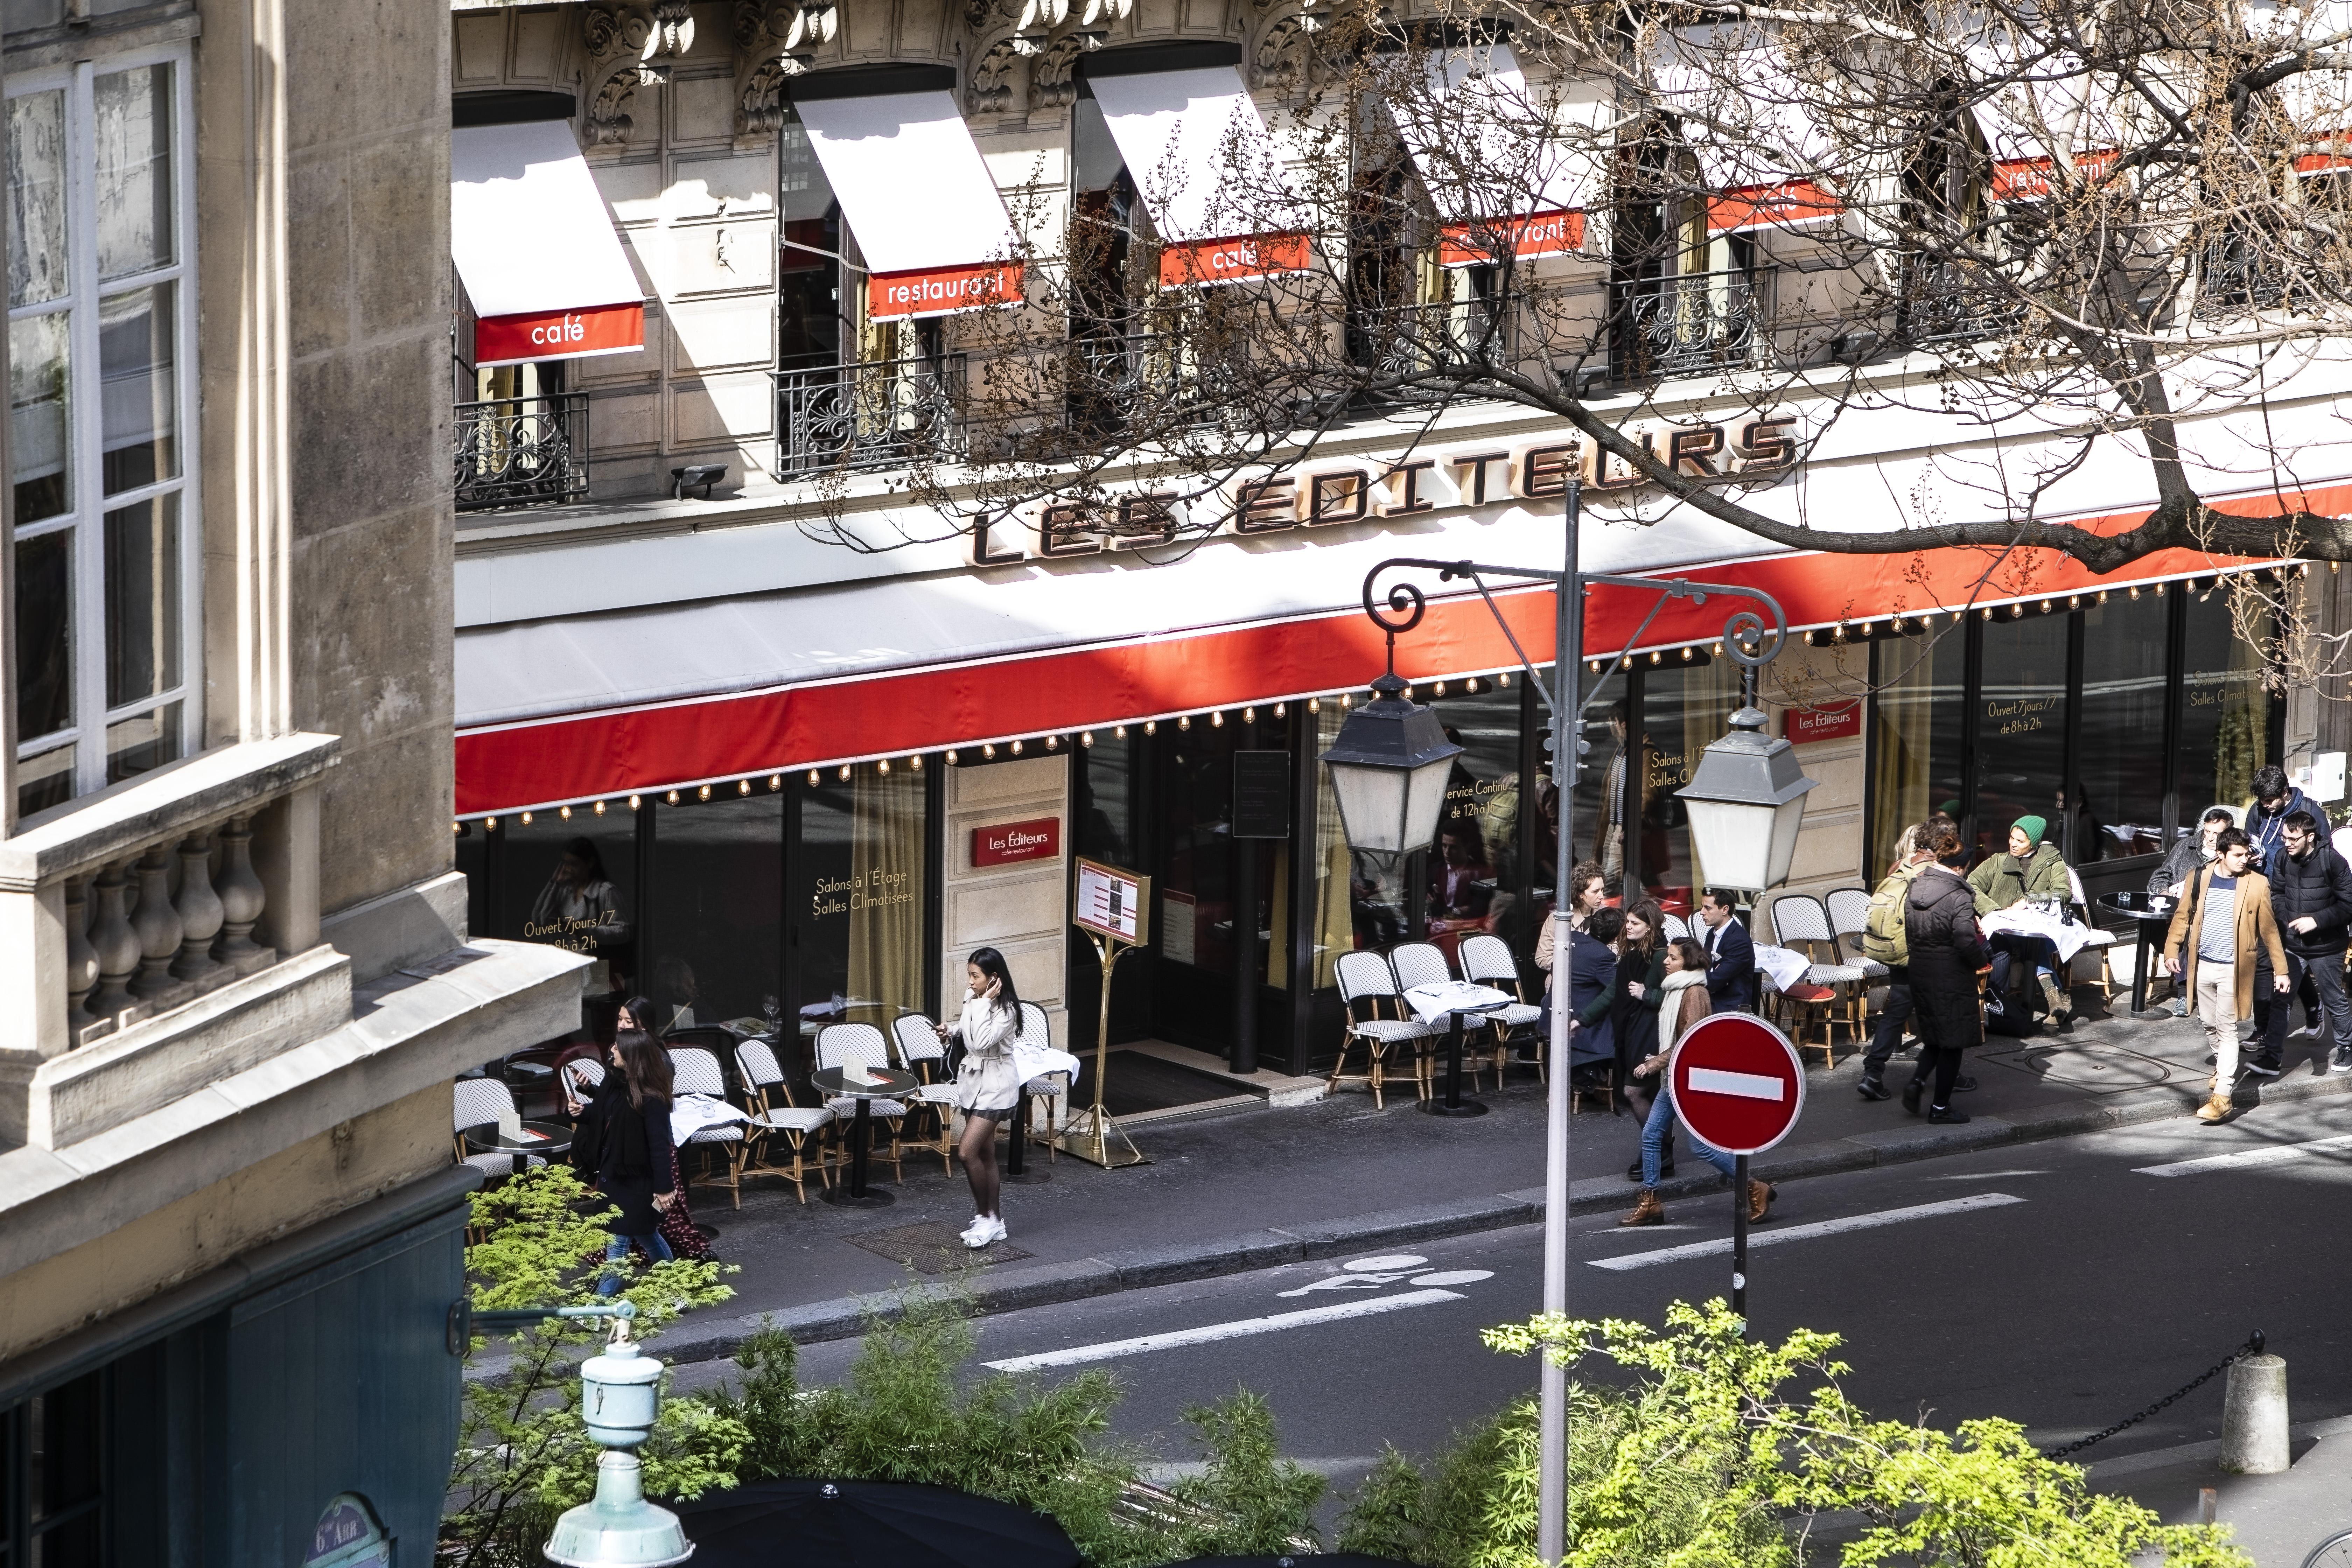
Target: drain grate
935, 1247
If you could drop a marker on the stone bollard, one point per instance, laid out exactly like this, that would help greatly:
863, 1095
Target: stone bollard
2253, 1417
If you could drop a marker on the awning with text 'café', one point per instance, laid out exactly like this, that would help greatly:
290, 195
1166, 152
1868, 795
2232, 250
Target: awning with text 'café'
1510, 169
719, 691
534, 245
918, 199
1207, 171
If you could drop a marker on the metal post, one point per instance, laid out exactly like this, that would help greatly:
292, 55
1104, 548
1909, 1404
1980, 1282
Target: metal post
1567, 733
1739, 1241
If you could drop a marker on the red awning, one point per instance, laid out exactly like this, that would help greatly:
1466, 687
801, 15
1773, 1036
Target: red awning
814, 723
535, 249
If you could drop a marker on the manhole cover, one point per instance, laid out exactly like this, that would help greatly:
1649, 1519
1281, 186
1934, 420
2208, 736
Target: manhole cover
936, 1247
2093, 1069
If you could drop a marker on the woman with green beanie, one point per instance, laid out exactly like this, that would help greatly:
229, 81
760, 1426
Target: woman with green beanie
2031, 869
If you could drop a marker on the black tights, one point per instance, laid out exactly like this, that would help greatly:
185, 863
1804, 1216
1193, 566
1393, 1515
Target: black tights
977, 1147
1943, 1062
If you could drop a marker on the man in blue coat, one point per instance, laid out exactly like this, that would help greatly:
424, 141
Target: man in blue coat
1730, 955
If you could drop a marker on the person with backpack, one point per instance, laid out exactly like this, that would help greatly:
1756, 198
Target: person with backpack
2220, 927
1884, 941
2311, 895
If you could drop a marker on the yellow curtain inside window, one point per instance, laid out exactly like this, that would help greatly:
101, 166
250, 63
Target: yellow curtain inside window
885, 888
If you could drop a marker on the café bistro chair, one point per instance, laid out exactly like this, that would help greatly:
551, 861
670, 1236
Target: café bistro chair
924, 1053
1487, 960
1801, 925
2096, 940
862, 1045
1046, 1089
1367, 985
694, 1070
1424, 964
777, 1119
483, 1100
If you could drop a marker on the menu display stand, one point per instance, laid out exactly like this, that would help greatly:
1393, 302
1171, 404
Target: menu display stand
1112, 907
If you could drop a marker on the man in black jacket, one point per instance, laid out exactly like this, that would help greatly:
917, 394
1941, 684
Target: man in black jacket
1730, 954
2311, 893
1946, 950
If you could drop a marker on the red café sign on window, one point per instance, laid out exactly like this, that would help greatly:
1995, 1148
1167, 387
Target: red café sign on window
1534, 233
1039, 838
1232, 260
560, 334
943, 290
1839, 723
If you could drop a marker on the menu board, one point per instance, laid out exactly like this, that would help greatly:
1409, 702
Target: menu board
1112, 902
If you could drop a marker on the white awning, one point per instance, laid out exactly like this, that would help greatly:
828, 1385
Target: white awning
1489, 145
1208, 171
1759, 150
534, 245
918, 199
2048, 106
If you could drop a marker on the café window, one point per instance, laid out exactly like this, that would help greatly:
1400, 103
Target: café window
2125, 694
99, 264
858, 896
567, 883
2226, 719
2021, 749
1685, 706
1475, 881
714, 947
1921, 716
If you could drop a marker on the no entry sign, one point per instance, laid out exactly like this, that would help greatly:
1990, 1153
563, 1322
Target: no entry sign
1739, 1084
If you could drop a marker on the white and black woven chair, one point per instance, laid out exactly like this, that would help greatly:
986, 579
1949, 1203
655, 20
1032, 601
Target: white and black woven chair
481, 1101
1487, 961
862, 1045
695, 1071
932, 1116
1376, 1020
778, 1121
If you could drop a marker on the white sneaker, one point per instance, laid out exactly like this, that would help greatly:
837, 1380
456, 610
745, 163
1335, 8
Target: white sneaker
976, 1233
996, 1230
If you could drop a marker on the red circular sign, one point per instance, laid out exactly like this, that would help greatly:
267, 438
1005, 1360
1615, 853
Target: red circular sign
1739, 1084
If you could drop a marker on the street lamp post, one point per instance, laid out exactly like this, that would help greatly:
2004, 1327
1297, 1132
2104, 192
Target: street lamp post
1385, 772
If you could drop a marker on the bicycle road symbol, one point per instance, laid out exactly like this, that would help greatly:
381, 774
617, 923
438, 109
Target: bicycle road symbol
1371, 1273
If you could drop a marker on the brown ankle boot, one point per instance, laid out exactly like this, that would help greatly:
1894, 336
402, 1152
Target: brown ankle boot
1649, 1211
1759, 1200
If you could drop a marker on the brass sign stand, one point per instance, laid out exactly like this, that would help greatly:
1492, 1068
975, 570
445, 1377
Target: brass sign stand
1111, 909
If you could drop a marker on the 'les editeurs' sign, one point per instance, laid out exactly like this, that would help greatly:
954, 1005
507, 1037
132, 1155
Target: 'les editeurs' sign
1039, 838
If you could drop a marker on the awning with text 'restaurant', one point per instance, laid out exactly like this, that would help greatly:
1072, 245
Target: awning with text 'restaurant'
940, 684
1505, 165
534, 246
920, 200
1757, 148
1205, 166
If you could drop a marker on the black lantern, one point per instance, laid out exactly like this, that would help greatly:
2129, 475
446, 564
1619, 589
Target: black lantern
1390, 765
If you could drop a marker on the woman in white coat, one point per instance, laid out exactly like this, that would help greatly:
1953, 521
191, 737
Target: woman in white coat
987, 1087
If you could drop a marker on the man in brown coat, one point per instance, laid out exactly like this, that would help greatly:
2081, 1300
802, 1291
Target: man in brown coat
2223, 923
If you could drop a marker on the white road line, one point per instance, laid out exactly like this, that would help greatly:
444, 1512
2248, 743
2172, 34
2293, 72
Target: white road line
1746, 1084
1111, 1349
1806, 1232
2244, 1157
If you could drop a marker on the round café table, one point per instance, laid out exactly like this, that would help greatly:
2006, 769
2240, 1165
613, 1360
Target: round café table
890, 1084
547, 1140
1453, 1103
2151, 914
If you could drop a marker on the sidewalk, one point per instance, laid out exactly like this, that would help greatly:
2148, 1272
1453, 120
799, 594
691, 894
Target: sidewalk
1255, 1187
2278, 1519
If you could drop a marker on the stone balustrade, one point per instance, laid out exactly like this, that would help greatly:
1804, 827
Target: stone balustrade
157, 893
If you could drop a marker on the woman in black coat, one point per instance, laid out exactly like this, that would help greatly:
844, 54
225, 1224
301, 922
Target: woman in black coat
623, 1145
1946, 949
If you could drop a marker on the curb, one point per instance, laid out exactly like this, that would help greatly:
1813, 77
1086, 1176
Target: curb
1045, 1284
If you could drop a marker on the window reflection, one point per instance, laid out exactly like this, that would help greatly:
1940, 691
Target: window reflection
2121, 794
2225, 716
2020, 751
716, 910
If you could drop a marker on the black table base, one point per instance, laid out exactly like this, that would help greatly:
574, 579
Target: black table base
1453, 1104
1015, 1171
857, 1194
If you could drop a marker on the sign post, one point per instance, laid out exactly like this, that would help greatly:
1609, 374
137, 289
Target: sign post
1113, 908
1738, 1086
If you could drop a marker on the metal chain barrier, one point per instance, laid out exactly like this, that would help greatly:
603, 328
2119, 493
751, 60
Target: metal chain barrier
2253, 1346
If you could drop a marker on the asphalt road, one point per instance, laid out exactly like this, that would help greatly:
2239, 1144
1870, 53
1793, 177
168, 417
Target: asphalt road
2058, 1284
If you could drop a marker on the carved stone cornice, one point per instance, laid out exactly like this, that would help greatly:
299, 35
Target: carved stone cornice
1279, 62
613, 33
1051, 84
994, 78
774, 41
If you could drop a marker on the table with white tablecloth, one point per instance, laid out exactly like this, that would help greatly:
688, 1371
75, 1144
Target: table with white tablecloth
2069, 935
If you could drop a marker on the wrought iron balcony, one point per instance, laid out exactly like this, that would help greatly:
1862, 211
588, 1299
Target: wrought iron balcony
1152, 381
1673, 326
1406, 341
1943, 302
522, 451
878, 414
2238, 274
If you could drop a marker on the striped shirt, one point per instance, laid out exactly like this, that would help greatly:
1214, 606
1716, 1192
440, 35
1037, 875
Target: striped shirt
2216, 937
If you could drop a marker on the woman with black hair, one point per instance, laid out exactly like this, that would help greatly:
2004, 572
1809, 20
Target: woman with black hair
987, 1086
624, 1142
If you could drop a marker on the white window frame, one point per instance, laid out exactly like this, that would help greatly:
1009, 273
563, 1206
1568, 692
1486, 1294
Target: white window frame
87, 432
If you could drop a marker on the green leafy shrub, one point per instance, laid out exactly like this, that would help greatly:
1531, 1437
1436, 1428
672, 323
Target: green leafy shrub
1248, 1500
523, 1454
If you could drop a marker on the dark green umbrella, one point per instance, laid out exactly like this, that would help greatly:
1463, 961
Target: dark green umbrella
806, 1524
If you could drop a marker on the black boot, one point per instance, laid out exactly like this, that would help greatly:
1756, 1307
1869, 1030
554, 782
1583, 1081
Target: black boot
1870, 1088
1912, 1092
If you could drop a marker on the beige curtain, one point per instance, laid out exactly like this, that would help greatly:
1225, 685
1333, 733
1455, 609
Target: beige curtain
2240, 740
885, 888
1335, 921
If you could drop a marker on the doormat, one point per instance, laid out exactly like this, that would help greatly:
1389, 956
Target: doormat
934, 1247
1138, 1082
